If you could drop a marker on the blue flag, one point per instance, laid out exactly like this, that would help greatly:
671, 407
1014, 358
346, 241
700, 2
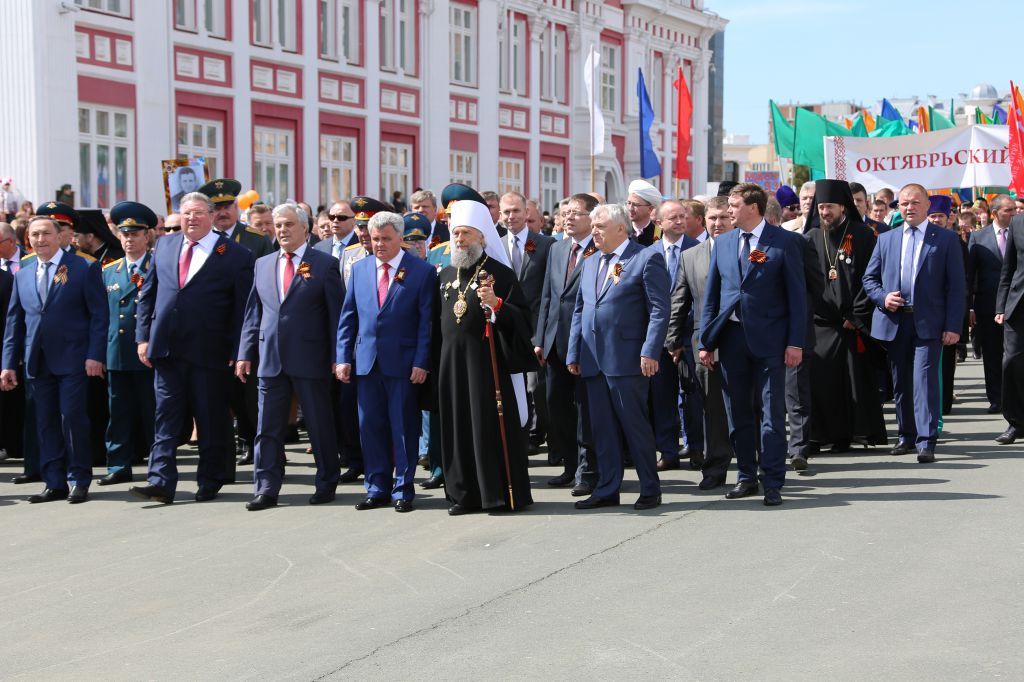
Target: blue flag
889, 111
649, 164
998, 115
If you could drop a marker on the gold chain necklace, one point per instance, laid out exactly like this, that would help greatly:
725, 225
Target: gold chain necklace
461, 306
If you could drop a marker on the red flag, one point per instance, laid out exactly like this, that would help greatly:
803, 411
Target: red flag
683, 124
1015, 121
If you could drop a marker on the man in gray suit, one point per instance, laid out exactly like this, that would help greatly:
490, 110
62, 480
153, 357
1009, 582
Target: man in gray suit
688, 295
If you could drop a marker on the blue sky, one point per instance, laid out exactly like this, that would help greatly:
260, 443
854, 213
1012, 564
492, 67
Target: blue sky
821, 50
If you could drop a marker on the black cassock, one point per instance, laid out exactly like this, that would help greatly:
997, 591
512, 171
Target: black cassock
471, 451
843, 385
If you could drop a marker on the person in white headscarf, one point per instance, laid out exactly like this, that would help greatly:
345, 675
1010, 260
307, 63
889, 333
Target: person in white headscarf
476, 288
642, 206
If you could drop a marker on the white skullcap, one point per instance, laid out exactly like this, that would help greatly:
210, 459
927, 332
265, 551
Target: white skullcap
646, 191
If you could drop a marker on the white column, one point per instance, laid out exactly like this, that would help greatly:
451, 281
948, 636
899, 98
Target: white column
155, 120
434, 108
487, 104
371, 93
537, 24
242, 125
700, 124
310, 190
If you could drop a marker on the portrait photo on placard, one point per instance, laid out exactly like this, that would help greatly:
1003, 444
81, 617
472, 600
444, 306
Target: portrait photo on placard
182, 176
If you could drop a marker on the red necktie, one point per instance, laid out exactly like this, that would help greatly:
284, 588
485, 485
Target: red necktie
382, 285
572, 261
289, 274
183, 263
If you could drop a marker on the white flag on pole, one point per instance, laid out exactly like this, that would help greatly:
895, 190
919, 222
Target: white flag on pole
590, 70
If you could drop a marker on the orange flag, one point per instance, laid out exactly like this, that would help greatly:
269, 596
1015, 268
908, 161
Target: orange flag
869, 121
1015, 121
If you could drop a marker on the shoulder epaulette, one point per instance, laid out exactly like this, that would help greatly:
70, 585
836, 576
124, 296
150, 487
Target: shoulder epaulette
29, 256
113, 263
357, 245
439, 246
253, 230
86, 256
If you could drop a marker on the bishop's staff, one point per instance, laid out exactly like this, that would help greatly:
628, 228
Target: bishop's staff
484, 278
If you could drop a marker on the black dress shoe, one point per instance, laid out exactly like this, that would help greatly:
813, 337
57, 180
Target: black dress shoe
206, 493
48, 495
696, 460
742, 489
151, 492
372, 503
902, 447
424, 462
245, 456
925, 457
402, 506
772, 497
119, 476
78, 494
532, 450
554, 459
350, 475
840, 447
994, 409
596, 502
711, 482
582, 490
647, 502
1007, 437
433, 482
799, 462
322, 497
261, 502
667, 464
460, 509
26, 478
561, 480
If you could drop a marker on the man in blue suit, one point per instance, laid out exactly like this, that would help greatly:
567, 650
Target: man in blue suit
615, 343
291, 321
384, 340
754, 317
916, 279
189, 321
57, 326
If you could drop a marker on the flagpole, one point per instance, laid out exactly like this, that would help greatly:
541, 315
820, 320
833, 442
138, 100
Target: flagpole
593, 104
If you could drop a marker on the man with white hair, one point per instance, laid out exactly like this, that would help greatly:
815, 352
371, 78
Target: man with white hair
483, 442
642, 205
806, 200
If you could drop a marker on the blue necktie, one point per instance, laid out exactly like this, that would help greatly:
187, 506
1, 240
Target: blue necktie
673, 261
745, 253
336, 249
907, 271
602, 272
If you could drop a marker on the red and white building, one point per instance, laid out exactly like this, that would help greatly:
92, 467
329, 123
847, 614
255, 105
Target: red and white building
320, 99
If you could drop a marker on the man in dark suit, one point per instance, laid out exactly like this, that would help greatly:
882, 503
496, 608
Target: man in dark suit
860, 200
57, 326
1010, 314
616, 340
569, 433
12, 404
984, 265
291, 317
343, 230
189, 322
916, 279
755, 317
687, 297
424, 201
528, 256
384, 341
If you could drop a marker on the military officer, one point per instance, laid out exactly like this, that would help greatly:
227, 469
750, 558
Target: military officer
414, 236
130, 383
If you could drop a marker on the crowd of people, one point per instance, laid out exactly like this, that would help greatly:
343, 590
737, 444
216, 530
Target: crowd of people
464, 333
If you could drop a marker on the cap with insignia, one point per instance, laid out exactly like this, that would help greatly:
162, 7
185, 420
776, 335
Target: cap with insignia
62, 213
940, 203
131, 216
417, 227
459, 192
222, 190
366, 207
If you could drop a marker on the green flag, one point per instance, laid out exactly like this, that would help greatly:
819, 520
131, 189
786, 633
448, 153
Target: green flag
809, 129
937, 120
891, 128
860, 129
980, 118
952, 112
782, 132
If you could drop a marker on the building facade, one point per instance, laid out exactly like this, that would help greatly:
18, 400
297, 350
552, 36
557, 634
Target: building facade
321, 99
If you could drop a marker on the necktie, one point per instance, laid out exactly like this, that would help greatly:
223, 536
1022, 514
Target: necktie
907, 271
572, 261
602, 272
220, 233
183, 263
673, 261
336, 249
289, 274
517, 258
1002, 242
382, 285
131, 270
43, 281
745, 253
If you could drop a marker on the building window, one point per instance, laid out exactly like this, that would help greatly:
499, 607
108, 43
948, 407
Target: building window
552, 64
105, 155
214, 18
510, 175
287, 24
185, 15
550, 185
513, 48
462, 167
398, 35
121, 8
275, 22
395, 168
261, 22
462, 68
610, 80
275, 164
202, 137
339, 30
338, 165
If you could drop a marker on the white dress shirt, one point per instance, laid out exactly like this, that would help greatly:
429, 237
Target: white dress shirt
392, 270
616, 256
282, 262
41, 270
13, 263
583, 246
918, 243
523, 233
200, 253
754, 240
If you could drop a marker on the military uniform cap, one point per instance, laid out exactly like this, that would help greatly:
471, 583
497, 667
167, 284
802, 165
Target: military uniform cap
131, 216
459, 192
63, 213
222, 190
366, 207
417, 227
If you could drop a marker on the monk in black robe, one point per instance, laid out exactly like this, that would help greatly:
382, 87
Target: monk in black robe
845, 396
472, 454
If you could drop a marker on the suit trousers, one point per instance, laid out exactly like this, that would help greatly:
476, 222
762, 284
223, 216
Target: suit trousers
178, 384
948, 363
62, 425
275, 398
1013, 370
537, 405
691, 410
12, 417
132, 405
346, 424
389, 427
569, 429
989, 338
914, 363
798, 401
619, 416
744, 378
30, 446
664, 407
718, 448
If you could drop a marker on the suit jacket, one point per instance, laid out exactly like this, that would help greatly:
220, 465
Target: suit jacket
685, 244
1011, 279
122, 300
771, 298
984, 266
439, 233
939, 286
531, 275
688, 295
66, 330
558, 297
202, 321
327, 245
394, 336
6, 286
875, 226
650, 234
252, 239
295, 336
610, 332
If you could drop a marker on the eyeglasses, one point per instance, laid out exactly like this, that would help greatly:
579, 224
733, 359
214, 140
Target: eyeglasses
340, 216
172, 228
574, 214
633, 204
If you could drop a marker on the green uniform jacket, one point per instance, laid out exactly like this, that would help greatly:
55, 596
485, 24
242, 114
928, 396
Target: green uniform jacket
122, 295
